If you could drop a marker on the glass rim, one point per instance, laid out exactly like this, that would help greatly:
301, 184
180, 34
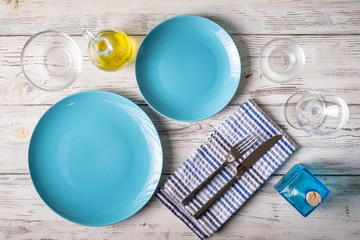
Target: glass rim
318, 92
22, 57
298, 47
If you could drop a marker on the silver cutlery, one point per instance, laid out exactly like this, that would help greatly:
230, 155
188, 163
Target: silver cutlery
235, 153
245, 165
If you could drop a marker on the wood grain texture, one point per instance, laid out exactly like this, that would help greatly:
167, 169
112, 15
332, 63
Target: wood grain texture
180, 139
26, 17
264, 216
327, 30
332, 62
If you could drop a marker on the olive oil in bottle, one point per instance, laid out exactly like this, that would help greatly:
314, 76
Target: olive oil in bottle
109, 49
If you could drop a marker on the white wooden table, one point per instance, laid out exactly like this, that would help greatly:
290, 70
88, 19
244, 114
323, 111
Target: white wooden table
328, 31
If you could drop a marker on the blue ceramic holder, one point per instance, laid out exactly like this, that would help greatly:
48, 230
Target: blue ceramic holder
302, 189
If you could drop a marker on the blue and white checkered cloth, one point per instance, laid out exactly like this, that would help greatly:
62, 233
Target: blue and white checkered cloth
248, 119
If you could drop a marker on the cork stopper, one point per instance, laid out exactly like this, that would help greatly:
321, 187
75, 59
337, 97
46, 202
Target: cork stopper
313, 198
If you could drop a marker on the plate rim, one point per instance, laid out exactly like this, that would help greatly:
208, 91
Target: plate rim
192, 119
79, 222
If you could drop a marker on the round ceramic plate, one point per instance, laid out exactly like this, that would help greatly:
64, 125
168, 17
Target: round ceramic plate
188, 68
95, 158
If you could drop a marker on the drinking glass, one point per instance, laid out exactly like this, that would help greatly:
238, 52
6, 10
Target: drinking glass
281, 60
51, 60
317, 112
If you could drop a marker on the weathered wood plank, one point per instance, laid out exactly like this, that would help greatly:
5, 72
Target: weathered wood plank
265, 216
24, 17
332, 62
328, 31
333, 154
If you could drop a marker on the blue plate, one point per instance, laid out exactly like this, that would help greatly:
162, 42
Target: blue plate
188, 68
95, 158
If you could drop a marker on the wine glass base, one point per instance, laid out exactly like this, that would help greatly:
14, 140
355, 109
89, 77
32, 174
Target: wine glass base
317, 112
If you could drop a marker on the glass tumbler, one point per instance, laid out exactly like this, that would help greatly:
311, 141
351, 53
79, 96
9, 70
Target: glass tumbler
317, 112
281, 60
51, 60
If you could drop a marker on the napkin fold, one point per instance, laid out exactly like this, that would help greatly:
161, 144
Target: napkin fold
248, 119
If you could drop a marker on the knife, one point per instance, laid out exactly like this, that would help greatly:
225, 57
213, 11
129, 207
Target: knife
245, 165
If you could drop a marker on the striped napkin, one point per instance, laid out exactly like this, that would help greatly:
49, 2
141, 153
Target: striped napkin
248, 119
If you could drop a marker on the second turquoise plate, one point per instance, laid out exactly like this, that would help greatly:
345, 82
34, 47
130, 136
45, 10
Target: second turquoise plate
188, 68
95, 158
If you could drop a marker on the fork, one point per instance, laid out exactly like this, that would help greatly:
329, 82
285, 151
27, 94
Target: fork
236, 152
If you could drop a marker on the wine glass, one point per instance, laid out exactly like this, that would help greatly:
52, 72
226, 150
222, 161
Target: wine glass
316, 112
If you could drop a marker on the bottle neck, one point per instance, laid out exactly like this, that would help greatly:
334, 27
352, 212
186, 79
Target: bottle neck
100, 44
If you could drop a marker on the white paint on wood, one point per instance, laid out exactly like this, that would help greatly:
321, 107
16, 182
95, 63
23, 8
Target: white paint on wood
266, 215
327, 30
180, 139
332, 62
25, 17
